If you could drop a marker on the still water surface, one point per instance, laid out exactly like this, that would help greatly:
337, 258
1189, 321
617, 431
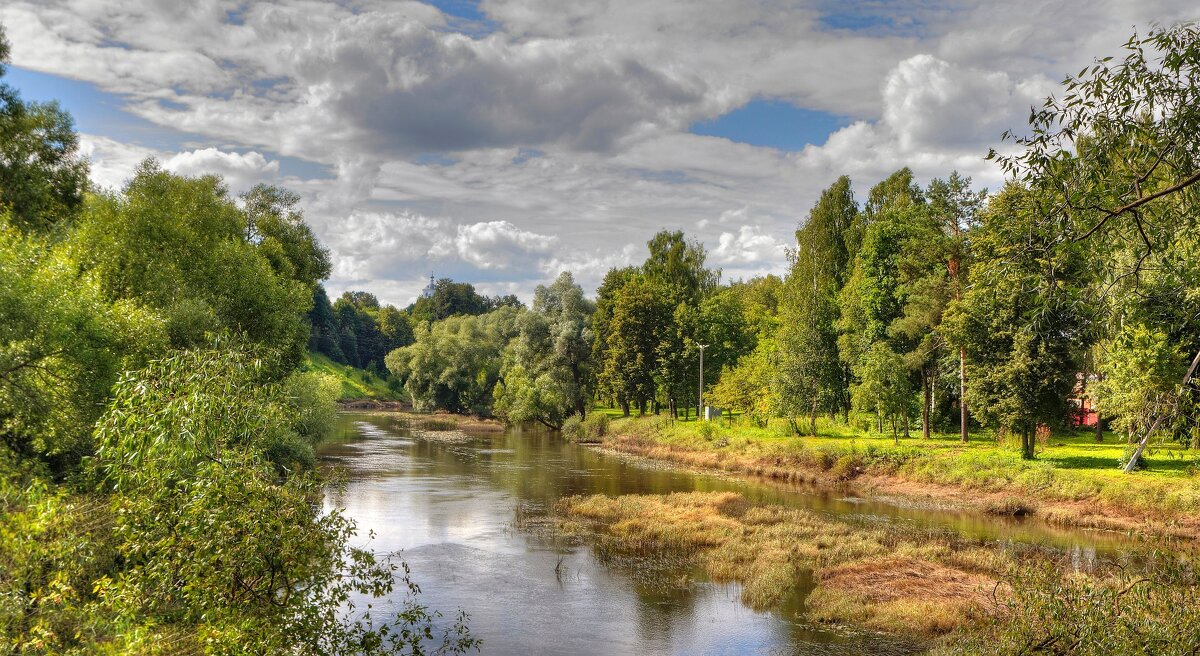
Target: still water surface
450, 509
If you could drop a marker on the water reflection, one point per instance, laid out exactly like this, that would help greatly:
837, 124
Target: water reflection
449, 506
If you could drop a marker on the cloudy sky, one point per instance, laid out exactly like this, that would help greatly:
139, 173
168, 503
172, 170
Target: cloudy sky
501, 141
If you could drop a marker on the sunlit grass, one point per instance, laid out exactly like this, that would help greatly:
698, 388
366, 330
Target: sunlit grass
1070, 467
356, 383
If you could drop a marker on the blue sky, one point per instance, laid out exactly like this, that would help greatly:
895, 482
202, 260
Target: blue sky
772, 123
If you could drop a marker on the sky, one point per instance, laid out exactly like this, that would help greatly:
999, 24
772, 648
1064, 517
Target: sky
499, 142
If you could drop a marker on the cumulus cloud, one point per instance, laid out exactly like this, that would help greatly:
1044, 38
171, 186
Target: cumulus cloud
748, 246
240, 170
500, 244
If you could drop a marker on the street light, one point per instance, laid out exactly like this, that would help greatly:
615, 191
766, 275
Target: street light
702, 347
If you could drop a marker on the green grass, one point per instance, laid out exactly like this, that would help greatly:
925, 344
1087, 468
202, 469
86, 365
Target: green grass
1070, 466
357, 384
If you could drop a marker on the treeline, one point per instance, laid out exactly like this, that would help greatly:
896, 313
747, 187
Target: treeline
932, 307
357, 330
157, 484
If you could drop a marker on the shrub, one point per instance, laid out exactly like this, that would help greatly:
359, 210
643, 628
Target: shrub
573, 429
596, 425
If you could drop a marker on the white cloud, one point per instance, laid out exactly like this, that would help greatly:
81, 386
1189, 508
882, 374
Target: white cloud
240, 170
500, 244
748, 246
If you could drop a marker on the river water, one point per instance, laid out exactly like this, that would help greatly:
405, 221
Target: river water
451, 509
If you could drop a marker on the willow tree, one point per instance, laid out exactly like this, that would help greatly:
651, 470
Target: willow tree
1117, 155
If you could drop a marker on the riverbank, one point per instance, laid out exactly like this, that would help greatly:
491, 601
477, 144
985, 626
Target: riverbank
1074, 482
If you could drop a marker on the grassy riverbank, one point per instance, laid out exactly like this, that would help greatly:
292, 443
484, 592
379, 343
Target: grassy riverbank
1074, 481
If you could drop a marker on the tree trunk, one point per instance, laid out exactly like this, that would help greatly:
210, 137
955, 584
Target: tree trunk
812, 418
1027, 442
1099, 428
906, 435
962, 393
1137, 453
879, 420
926, 396
895, 437
625, 408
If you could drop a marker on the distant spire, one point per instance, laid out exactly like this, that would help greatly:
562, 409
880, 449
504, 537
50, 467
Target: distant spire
428, 291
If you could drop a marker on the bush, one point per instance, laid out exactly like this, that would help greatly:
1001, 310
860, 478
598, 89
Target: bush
572, 429
846, 467
596, 425
708, 430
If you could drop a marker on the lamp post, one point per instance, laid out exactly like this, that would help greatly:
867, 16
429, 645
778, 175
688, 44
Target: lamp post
702, 347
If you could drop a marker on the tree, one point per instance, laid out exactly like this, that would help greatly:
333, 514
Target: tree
62, 345
215, 525
813, 379
641, 312
883, 386
1022, 318
450, 298
324, 335
675, 262
546, 375
454, 364
955, 207
42, 176
179, 245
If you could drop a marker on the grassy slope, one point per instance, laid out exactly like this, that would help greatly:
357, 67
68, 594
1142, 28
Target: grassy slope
1074, 480
356, 383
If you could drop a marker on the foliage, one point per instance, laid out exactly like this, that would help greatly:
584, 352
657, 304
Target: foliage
42, 175
182, 247
882, 385
641, 313
215, 524
455, 364
61, 347
1140, 608
546, 375
1020, 321
812, 378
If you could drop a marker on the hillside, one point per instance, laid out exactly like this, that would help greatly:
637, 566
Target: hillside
356, 383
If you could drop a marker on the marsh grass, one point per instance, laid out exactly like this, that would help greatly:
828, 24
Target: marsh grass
931, 584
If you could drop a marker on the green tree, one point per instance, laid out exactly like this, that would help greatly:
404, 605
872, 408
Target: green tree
812, 378
1115, 156
883, 386
1022, 320
955, 207
219, 538
62, 344
641, 312
675, 262
454, 364
179, 245
546, 375
42, 176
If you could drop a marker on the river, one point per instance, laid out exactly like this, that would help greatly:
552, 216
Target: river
450, 509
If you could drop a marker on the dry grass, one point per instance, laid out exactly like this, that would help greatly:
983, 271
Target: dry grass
921, 587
